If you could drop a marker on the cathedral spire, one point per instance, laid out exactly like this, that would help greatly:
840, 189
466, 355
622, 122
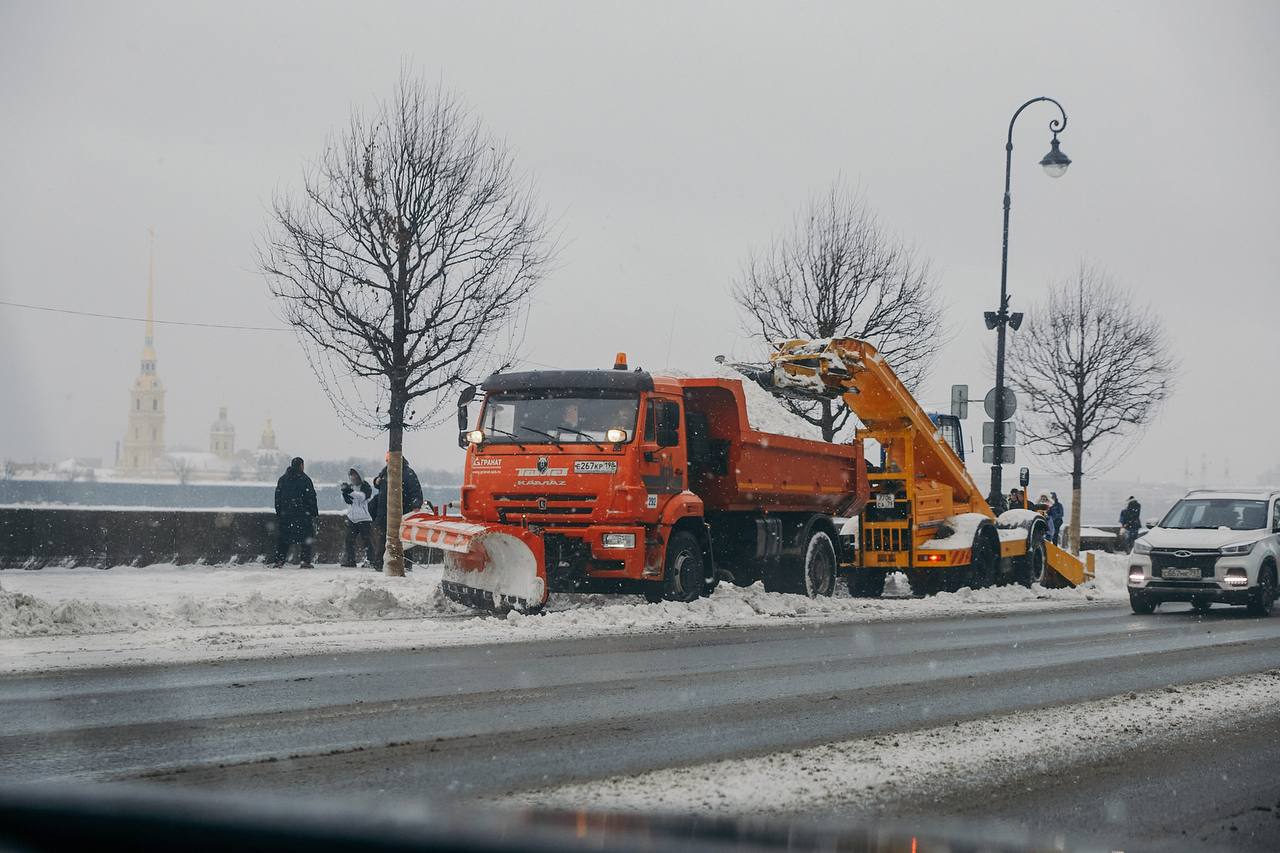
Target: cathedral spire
151, 288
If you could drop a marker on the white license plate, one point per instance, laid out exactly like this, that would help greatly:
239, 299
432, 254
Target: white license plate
884, 501
1182, 574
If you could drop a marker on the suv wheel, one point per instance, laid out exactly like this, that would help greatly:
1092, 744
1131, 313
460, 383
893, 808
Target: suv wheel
1141, 605
1263, 597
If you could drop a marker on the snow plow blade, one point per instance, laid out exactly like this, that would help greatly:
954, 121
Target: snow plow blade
486, 566
1066, 568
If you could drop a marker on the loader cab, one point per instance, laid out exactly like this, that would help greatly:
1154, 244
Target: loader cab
951, 431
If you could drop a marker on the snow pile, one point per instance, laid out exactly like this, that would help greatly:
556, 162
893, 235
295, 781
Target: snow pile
765, 412
875, 772
86, 617
89, 601
1017, 517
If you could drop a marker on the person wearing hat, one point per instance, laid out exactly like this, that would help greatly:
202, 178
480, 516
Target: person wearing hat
296, 512
1056, 515
1131, 522
410, 501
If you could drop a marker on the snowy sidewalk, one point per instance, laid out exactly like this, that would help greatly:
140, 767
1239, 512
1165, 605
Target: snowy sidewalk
60, 618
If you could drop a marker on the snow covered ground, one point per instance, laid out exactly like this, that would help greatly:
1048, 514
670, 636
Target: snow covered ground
869, 773
58, 618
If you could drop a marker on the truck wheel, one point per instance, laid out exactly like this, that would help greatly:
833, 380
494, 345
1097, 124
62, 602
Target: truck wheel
684, 579
819, 568
1141, 605
867, 583
1263, 597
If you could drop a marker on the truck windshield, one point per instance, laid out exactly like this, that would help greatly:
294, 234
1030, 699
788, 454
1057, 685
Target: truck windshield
577, 416
1212, 513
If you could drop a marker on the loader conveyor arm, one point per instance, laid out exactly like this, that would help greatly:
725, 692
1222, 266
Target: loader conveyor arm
853, 370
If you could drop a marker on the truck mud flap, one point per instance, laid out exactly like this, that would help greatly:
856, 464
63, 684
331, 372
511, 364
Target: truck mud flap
486, 566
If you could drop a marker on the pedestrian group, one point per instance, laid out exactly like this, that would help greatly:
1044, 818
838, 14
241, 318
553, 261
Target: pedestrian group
366, 514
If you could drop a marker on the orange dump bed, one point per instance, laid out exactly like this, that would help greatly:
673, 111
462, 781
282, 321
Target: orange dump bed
735, 467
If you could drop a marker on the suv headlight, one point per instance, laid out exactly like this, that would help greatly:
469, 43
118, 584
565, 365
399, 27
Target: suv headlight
1141, 546
1237, 550
618, 540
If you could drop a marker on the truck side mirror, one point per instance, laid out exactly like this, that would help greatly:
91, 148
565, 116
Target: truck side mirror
464, 399
668, 432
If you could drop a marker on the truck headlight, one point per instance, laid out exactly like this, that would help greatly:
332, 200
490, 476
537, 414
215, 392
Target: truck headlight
618, 540
1237, 550
1136, 574
615, 435
1141, 546
476, 436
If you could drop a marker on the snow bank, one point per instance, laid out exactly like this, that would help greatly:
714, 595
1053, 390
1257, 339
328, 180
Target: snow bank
913, 766
56, 618
91, 601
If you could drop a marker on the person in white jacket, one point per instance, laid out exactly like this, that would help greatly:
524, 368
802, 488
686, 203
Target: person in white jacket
356, 493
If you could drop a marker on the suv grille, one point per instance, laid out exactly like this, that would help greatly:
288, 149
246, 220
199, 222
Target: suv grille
1167, 558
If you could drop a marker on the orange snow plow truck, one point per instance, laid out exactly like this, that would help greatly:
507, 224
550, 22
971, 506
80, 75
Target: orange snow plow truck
617, 480
621, 481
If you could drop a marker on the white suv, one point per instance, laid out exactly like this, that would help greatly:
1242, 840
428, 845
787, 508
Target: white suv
1214, 545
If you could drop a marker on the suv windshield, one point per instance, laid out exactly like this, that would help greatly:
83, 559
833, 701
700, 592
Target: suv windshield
576, 416
1212, 513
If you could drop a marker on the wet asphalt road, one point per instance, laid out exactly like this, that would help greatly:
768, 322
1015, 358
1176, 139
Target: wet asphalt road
491, 719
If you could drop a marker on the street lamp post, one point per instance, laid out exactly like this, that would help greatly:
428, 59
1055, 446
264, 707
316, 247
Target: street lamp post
1055, 165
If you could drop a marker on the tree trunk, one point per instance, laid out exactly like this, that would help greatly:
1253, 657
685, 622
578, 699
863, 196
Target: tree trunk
1077, 478
828, 428
393, 559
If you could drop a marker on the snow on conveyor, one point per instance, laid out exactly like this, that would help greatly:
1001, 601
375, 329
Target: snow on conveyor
88, 617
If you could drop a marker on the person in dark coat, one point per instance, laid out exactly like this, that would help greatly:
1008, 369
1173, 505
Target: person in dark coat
356, 493
296, 512
1131, 521
411, 501
1057, 514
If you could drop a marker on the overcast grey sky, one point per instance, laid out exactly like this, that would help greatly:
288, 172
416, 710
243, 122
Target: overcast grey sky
668, 140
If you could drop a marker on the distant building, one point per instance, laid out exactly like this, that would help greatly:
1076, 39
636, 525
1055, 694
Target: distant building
268, 458
222, 436
142, 451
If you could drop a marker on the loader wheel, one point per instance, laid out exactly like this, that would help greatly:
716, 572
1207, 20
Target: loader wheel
684, 579
819, 565
985, 562
1030, 568
867, 583
925, 582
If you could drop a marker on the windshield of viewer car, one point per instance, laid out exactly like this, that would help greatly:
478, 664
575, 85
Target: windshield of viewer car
1212, 513
562, 418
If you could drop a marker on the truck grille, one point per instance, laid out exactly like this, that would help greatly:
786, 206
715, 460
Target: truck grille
887, 539
548, 508
1162, 559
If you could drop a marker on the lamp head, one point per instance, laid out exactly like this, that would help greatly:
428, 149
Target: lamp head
1055, 163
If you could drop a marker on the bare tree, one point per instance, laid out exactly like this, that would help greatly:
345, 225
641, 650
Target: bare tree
838, 274
405, 265
182, 468
1094, 370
